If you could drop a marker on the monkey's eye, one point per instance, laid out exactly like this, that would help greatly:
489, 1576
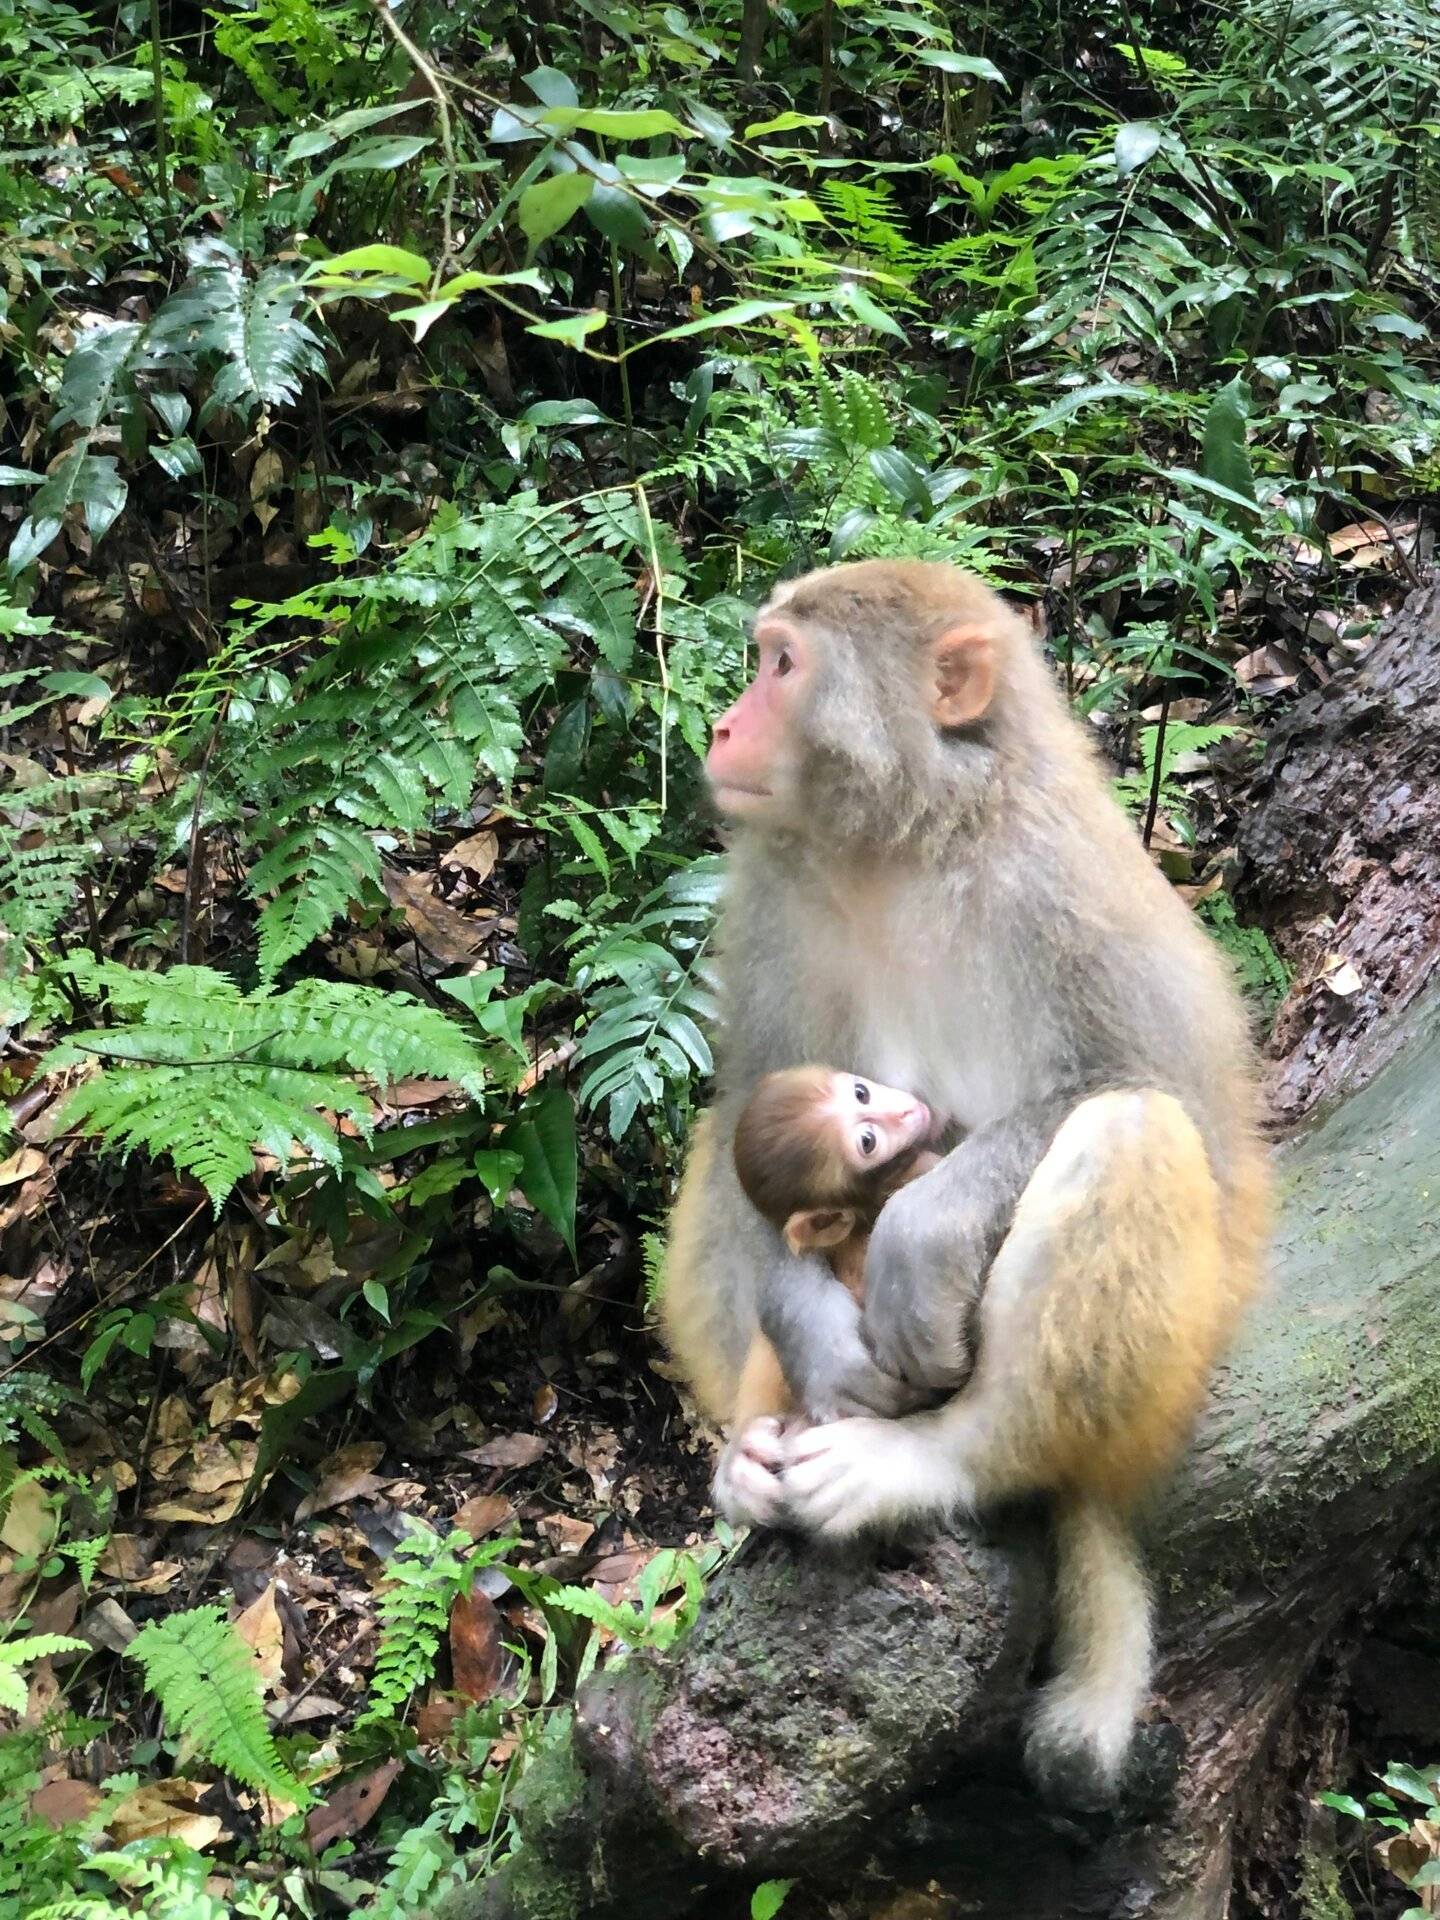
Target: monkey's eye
867, 1141
783, 664
862, 1094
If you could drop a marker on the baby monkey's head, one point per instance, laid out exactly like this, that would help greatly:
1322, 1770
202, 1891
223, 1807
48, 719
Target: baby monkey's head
819, 1152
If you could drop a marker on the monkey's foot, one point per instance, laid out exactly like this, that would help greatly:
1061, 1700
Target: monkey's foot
852, 1477
747, 1481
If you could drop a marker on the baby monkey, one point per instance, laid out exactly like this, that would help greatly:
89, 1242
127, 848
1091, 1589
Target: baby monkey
818, 1153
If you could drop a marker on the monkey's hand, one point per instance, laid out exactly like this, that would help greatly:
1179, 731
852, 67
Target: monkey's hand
747, 1481
851, 1478
814, 1326
922, 1278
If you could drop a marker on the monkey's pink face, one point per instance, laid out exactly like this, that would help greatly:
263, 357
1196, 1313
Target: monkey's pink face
753, 760
872, 1125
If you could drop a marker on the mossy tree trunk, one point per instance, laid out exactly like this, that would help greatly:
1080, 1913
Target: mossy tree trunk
814, 1706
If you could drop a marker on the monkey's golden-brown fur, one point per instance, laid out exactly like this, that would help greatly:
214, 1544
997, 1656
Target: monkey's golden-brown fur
931, 880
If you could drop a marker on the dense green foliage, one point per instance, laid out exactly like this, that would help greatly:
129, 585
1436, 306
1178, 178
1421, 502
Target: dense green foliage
407, 405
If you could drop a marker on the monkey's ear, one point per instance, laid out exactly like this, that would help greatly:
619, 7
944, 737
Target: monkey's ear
964, 668
815, 1228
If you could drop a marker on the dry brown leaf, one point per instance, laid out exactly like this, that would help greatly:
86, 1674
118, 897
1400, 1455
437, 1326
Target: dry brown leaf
1341, 976
29, 1525
267, 476
484, 1513
545, 1405
23, 1164
259, 1625
477, 854
61, 1801
451, 937
108, 1625
350, 1807
566, 1534
421, 1093
477, 1653
129, 1558
346, 1475
1269, 669
165, 1807
509, 1450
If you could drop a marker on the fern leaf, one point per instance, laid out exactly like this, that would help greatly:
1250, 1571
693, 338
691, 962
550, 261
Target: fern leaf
208, 1685
316, 871
253, 327
203, 1073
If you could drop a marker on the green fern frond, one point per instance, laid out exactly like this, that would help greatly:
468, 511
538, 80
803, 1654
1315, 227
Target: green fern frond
253, 327
204, 1073
208, 1685
423, 1579
14, 1694
314, 872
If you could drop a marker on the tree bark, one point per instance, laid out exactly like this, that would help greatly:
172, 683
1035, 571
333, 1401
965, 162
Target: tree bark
813, 1704
1340, 856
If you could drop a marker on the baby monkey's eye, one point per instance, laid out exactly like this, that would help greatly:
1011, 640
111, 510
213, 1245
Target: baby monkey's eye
867, 1141
862, 1094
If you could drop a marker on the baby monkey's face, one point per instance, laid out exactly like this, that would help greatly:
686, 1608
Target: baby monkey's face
870, 1125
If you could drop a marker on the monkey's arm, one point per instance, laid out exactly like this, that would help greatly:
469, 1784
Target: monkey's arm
933, 1243
814, 1325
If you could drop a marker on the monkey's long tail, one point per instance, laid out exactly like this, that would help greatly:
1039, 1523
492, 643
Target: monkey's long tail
1087, 1713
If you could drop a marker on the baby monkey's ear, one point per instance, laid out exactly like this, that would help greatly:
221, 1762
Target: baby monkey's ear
813, 1229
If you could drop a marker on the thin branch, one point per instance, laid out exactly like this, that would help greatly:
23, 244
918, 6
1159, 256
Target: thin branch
431, 76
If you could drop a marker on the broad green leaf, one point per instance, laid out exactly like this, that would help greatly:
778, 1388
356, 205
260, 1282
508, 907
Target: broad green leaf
378, 1299
552, 87
898, 473
614, 123
381, 156
768, 1898
784, 123
320, 139
1224, 456
618, 215
497, 1168
1135, 142
473, 990
544, 1136
551, 204
83, 686
973, 66
571, 332
740, 315
708, 124
566, 413
19, 477
393, 262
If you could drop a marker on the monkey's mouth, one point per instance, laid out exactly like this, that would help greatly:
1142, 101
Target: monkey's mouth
730, 797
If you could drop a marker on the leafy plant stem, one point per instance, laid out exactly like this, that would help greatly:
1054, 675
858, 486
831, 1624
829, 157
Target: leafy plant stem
657, 579
157, 74
626, 400
444, 127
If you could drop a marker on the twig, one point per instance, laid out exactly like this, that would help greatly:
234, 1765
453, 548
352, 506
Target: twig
431, 77
658, 581
547, 1062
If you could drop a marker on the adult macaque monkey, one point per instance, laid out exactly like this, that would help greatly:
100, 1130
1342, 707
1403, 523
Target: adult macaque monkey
930, 880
